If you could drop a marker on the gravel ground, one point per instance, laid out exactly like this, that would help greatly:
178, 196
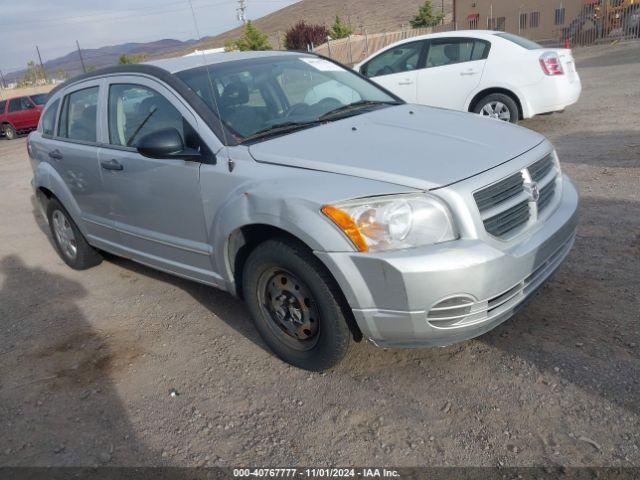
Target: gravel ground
88, 358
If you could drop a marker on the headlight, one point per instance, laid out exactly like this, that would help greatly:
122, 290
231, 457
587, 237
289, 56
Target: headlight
393, 222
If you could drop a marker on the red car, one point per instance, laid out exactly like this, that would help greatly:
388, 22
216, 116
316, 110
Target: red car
20, 114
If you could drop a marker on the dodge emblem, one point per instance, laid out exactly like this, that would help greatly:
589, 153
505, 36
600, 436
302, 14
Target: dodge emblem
534, 191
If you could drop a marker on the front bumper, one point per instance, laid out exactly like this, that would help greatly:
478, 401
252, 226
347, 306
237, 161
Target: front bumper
392, 294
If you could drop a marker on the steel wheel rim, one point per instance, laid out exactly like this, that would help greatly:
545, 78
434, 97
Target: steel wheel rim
496, 110
289, 307
64, 235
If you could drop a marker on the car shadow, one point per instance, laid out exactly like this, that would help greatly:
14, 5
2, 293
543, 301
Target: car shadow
58, 371
222, 305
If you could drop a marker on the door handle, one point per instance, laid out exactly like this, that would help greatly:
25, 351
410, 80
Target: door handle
112, 164
469, 72
56, 155
406, 82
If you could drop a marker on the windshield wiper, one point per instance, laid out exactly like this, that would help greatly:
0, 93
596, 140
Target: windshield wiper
280, 129
352, 108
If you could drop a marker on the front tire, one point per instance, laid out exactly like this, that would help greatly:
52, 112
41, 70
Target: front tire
70, 243
499, 107
295, 305
10, 132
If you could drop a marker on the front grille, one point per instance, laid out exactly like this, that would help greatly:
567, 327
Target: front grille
541, 168
546, 195
507, 206
508, 220
499, 192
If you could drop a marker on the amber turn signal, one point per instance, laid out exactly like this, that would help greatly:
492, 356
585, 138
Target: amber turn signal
343, 220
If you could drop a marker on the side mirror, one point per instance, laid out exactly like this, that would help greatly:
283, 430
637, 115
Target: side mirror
166, 144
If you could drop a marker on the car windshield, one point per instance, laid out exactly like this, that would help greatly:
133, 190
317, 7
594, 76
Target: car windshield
40, 98
521, 41
263, 97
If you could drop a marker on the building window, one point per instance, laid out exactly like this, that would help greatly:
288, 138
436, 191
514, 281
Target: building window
501, 24
534, 20
473, 20
523, 21
559, 16
491, 23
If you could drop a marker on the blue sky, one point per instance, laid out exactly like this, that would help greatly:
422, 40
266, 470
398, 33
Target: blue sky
55, 25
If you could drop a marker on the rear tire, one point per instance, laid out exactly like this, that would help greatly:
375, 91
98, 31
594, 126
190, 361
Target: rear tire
295, 305
70, 243
498, 106
10, 132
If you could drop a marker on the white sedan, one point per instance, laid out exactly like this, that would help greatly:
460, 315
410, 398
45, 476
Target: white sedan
495, 74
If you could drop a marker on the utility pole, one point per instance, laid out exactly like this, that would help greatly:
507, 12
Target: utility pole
242, 11
84, 68
44, 73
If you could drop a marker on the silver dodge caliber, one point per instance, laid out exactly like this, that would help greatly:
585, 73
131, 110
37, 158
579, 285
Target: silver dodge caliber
334, 209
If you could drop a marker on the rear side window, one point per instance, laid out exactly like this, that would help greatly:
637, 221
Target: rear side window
403, 58
520, 41
79, 116
136, 111
49, 118
456, 50
3, 104
19, 104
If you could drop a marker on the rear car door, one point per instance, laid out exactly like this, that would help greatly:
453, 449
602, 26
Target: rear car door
157, 205
453, 69
397, 69
73, 152
17, 114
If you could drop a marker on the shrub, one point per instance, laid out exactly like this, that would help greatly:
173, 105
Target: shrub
303, 34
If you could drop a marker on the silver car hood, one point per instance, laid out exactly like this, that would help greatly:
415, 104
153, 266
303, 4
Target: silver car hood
410, 145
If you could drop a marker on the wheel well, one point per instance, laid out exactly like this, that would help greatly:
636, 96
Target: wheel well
504, 91
244, 240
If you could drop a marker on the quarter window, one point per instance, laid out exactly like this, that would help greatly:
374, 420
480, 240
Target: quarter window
136, 111
79, 116
3, 104
49, 118
403, 58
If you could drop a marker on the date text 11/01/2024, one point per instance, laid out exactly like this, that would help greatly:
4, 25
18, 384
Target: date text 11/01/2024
315, 472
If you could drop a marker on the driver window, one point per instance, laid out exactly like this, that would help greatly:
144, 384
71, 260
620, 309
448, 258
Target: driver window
403, 58
136, 111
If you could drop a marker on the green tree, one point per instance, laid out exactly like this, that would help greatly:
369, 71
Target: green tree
253, 39
125, 59
31, 75
426, 17
340, 29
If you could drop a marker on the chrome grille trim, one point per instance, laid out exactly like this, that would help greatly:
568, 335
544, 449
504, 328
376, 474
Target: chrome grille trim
508, 206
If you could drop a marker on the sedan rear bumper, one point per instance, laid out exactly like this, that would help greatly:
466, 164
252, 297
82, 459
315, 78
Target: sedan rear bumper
444, 294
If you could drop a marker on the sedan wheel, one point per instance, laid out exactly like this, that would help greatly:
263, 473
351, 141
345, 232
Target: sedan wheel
64, 235
497, 110
498, 106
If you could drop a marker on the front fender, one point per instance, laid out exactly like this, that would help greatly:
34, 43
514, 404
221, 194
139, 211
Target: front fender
290, 201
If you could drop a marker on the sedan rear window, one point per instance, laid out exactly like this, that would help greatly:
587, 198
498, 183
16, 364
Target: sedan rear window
520, 41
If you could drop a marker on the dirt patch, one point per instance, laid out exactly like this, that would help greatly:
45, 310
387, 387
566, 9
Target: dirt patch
85, 358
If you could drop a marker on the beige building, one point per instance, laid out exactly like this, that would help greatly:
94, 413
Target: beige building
541, 20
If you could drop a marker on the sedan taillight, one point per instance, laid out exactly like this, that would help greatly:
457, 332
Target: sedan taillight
550, 63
